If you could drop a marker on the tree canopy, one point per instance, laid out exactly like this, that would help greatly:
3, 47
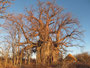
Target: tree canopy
45, 30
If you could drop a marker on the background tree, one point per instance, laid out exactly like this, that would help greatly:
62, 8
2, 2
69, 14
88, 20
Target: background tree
83, 58
3, 6
14, 35
10, 38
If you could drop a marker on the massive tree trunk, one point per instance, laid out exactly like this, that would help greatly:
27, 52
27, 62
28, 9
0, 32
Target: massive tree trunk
47, 54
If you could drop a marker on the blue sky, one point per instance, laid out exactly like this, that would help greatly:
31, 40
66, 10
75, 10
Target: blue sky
79, 9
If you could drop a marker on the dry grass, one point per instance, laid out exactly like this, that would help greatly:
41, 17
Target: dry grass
65, 65
83, 61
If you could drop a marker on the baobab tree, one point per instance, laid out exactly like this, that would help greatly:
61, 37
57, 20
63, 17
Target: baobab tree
48, 30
